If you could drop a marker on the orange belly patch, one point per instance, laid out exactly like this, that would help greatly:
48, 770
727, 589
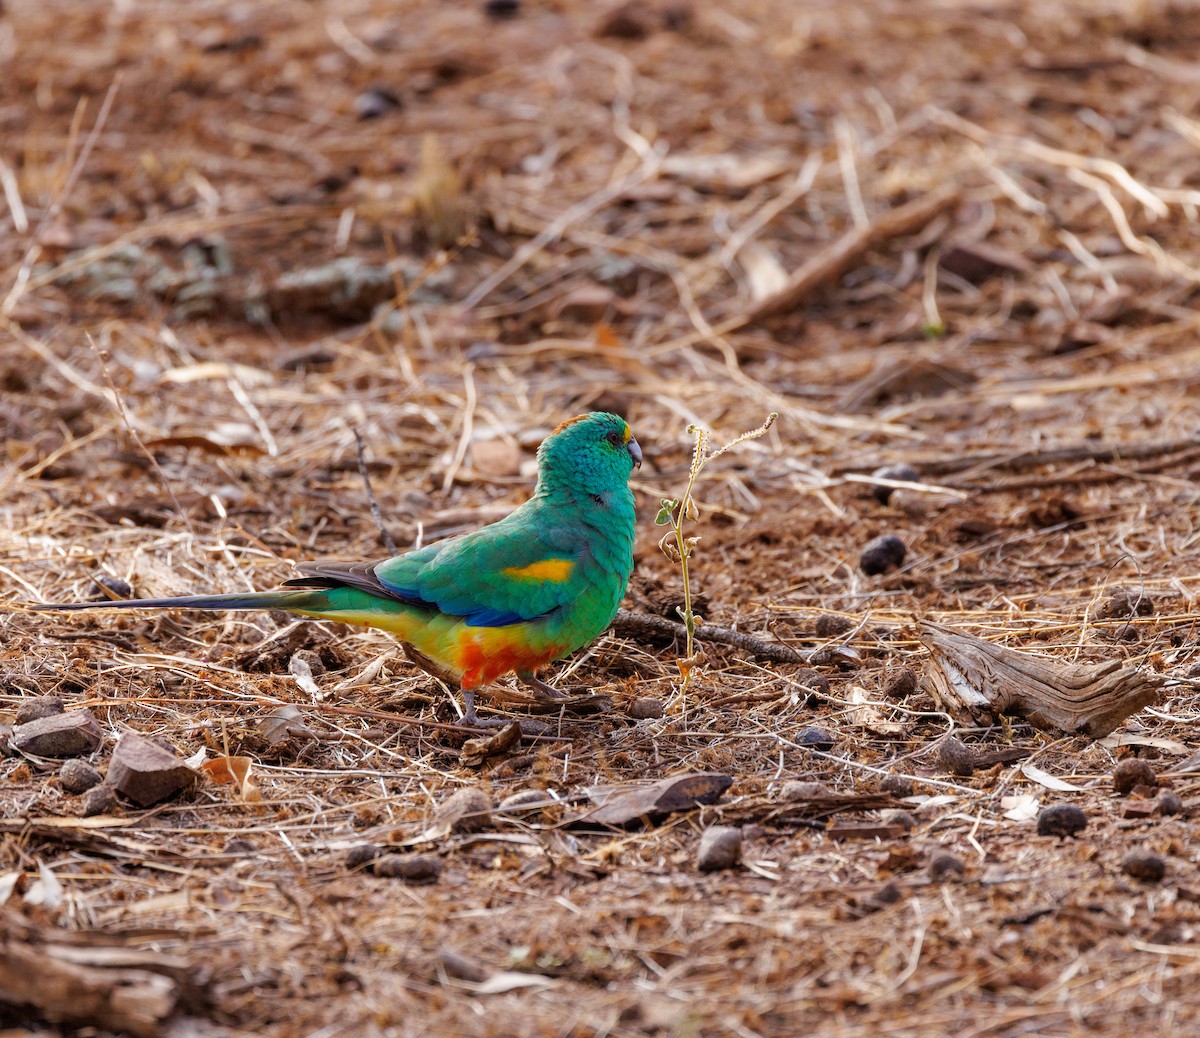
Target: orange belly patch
485, 655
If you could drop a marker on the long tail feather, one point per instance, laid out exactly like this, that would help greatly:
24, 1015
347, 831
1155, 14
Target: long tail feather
249, 600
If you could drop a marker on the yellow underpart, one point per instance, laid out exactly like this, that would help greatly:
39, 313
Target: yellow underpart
554, 570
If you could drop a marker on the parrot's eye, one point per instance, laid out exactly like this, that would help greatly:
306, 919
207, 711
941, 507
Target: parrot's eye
614, 438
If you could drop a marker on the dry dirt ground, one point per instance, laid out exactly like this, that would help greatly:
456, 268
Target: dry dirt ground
234, 234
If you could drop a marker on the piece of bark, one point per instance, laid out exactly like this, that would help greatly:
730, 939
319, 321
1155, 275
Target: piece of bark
834, 260
114, 989
70, 734
146, 772
866, 830
977, 680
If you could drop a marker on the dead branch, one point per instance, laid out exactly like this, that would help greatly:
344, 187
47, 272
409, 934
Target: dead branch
114, 988
978, 679
639, 625
1058, 456
834, 260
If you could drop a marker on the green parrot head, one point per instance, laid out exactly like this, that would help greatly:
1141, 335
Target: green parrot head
593, 453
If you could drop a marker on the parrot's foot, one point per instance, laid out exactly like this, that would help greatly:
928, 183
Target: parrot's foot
473, 720
542, 691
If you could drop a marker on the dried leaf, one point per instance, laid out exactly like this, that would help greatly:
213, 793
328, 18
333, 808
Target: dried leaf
46, 890
476, 751
1022, 807
726, 170
1119, 739
1044, 778
622, 805
300, 669
507, 980
222, 439
367, 675
867, 713
765, 275
8, 883
283, 724
217, 369
234, 769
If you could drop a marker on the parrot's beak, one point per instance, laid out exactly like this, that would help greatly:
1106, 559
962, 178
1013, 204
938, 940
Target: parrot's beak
635, 452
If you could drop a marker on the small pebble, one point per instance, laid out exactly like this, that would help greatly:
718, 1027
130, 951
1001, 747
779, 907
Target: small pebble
899, 786
462, 968
646, 708
98, 800
898, 817
109, 588
943, 865
1144, 865
886, 895
956, 757
38, 707
813, 738
78, 776
902, 473
628, 22
1061, 820
813, 679
901, 684
720, 848
17, 684
363, 854
1130, 773
882, 554
412, 868
830, 625
1169, 803
376, 101
1124, 603
502, 10
70, 734
467, 810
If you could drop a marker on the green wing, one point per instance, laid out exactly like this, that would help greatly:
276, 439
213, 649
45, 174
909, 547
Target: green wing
515, 570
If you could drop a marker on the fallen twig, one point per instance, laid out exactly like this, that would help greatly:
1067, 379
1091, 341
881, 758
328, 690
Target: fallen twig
834, 260
634, 625
389, 542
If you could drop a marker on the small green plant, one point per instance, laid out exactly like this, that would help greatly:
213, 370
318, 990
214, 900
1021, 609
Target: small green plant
678, 546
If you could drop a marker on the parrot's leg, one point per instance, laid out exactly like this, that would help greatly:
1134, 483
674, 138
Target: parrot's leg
542, 692
469, 717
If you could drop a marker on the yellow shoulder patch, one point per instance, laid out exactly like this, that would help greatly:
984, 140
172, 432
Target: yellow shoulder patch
554, 570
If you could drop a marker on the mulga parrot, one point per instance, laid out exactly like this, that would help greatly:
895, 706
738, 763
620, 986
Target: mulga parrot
510, 597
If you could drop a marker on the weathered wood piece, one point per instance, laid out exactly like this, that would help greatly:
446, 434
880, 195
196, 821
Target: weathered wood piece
978, 680
122, 989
